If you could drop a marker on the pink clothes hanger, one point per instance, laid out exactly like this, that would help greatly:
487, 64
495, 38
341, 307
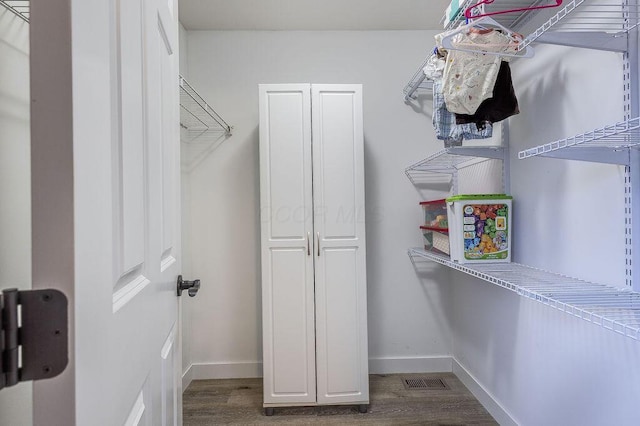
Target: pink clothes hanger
467, 13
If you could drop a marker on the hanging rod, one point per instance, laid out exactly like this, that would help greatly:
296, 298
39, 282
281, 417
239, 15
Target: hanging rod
19, 7
196, 114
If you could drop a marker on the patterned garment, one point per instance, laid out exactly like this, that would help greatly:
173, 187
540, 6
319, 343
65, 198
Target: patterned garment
469, 77
444, 122
502, 104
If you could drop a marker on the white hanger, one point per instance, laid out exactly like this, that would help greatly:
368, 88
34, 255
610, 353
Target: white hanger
485, 22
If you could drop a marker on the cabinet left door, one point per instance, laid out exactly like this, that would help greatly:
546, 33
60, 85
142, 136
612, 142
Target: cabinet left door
286, 220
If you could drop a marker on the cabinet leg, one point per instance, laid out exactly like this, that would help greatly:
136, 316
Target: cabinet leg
363, 408
268, 411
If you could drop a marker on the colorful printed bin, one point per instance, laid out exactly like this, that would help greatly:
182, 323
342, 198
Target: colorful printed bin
436, 239
480, 228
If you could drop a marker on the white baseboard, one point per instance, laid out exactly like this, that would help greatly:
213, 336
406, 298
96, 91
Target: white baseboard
226, 370
243, 370
437, 364
498, 412
187, 378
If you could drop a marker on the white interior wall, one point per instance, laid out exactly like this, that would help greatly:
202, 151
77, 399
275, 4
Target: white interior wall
409, 325
15, 184
563, 92
541, 365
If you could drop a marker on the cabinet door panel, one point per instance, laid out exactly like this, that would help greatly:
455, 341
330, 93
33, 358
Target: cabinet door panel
291, 323
336, 201
338, 299
338, 192
287, 260
285, 164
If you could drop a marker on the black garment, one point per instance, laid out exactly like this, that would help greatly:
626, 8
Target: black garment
501, 105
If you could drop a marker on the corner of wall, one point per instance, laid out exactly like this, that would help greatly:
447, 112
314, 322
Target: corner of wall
499, 413
187, 377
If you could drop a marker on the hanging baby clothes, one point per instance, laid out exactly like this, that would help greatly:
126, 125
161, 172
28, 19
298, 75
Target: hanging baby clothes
444, 122
469, 77
502, 104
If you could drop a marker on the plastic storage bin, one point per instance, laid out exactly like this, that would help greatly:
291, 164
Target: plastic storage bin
452, 11
435, 213
436, 239
479, 228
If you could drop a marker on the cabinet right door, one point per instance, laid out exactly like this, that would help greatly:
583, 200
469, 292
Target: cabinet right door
339, 225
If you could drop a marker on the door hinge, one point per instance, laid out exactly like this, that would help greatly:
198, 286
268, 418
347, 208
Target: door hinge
33, 335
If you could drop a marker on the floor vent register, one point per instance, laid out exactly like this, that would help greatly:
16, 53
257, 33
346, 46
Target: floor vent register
424, 383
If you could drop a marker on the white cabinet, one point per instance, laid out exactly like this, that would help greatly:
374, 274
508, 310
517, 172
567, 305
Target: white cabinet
314, 302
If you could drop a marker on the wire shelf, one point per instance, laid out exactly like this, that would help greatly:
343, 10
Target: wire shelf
608, 144
589, 24
450, 160
417, 81
197, 117
610, 307
19, 7
580, 23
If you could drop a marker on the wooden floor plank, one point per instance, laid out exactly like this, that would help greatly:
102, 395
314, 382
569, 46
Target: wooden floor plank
239, 402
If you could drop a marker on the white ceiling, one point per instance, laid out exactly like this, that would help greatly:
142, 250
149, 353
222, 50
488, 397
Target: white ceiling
312, 14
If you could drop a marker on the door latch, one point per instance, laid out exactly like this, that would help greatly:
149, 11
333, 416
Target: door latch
34, 338
191, 286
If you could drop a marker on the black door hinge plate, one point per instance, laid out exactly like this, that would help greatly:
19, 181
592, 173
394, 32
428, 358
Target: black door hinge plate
34, 335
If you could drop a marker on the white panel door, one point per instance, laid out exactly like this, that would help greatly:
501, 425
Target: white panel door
287, 258
106, 114
339, 224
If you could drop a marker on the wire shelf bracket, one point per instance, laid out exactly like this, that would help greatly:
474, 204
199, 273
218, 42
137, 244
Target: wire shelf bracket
616, 309
417, 82
197, 117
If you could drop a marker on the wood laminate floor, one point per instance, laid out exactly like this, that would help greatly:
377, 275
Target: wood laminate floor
239, 402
